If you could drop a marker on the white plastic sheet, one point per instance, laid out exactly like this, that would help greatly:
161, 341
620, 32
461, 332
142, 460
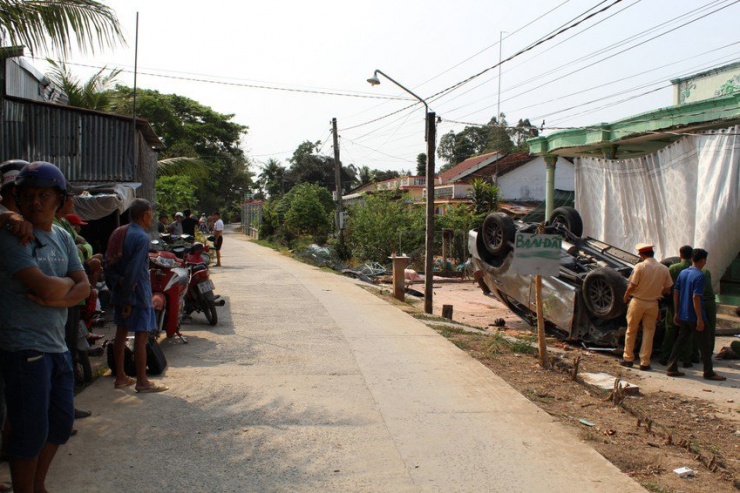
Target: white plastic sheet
91, 207
686, 193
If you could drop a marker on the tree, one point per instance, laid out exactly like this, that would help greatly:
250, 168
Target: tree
192, 130
272, 178
524, 130
374, 227
471, 141
309, 211
485, 196
51, 26
174, 193
421, 164
94, 94
307, 166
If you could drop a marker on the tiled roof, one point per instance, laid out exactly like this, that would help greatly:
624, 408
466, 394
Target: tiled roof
503, 166
464, 166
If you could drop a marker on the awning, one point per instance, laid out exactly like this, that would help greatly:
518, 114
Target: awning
98, 201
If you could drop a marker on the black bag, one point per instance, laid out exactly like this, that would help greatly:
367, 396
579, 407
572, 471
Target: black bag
155, 359
129, 367
156, 362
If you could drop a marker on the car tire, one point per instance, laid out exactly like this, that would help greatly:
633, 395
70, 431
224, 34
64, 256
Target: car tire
568, 217
498, 232
603, 293
670, 261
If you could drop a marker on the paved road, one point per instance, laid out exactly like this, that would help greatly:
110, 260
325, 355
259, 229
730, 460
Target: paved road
309, 383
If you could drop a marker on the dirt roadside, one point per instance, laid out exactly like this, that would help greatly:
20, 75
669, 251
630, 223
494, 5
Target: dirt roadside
670, 423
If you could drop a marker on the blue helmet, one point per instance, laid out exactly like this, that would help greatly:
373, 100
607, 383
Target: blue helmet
9, 170
42, 174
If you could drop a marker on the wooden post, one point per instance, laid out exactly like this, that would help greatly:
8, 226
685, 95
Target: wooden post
399, 268
447, 312
540, 323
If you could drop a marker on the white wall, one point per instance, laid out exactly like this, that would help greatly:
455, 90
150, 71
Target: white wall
528, 182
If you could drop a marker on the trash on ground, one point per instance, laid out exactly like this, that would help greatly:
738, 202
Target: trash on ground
586, 422
684, 472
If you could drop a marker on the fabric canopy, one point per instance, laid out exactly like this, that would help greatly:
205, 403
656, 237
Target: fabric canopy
686, 193
115, 197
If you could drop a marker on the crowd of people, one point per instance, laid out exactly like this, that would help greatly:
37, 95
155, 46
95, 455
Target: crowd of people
691, 318
185, 223
48, 275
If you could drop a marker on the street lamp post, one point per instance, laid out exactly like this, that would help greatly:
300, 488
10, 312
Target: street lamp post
430, 137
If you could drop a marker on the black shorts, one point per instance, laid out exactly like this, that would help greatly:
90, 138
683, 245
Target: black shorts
217, 244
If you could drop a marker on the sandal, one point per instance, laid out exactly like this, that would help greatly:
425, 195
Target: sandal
152, 388
127, 383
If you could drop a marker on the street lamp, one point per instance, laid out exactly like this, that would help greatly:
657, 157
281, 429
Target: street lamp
430, 137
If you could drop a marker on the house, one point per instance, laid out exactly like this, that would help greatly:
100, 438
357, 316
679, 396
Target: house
112, 157
518, 176
670, 176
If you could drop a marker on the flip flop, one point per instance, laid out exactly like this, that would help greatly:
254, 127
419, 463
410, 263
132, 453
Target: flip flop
128, 383
152, 388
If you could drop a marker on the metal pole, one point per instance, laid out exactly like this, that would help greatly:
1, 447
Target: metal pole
430, 137
429, 260
500, 45
338, 180
133, 110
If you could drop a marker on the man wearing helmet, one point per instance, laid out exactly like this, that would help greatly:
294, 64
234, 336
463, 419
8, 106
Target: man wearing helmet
38, 281
9, 215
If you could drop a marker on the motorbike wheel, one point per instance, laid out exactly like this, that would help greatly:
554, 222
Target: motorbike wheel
603, 293
498, 231
210, 312
568, 217
160, 315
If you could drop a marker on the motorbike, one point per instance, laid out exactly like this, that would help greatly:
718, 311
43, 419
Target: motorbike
200, 296
170, 281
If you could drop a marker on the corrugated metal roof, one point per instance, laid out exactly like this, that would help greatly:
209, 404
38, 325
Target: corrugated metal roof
86, 145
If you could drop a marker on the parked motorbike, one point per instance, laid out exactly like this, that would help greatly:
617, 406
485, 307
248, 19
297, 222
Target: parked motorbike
200, 296
170, 282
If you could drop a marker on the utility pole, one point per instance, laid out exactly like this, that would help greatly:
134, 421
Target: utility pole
338, 181
500, 46
429, 261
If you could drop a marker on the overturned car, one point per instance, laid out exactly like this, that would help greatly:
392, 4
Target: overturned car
584, 302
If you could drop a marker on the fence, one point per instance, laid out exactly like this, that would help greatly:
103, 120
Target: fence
450, 249
251, 218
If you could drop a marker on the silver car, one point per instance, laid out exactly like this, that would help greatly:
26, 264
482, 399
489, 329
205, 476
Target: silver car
584, 302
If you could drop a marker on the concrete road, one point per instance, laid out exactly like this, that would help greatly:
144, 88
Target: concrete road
310, 383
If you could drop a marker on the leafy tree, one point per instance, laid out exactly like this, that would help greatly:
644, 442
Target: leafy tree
309, 211
53, 26
374, 227
421, 164
174, 193
471, 141
272, 178
524, 130
498, 137
190, 129
307, 166
485, 196
93, 94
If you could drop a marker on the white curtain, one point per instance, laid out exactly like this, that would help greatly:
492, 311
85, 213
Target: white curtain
686, 193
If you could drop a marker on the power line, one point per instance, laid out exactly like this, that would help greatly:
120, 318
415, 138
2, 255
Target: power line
257, 86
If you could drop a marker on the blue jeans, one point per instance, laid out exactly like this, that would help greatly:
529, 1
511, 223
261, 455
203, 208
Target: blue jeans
39, 392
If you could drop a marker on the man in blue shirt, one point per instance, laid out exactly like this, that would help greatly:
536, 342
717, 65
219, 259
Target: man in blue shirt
132, 297
38, 281
690, 316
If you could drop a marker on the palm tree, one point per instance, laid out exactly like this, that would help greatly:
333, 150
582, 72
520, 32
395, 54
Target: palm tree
53, 26
272, 177
93, 94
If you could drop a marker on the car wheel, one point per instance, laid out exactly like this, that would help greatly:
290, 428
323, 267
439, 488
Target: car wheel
568, 217
498, 231
670, 261
603, 293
